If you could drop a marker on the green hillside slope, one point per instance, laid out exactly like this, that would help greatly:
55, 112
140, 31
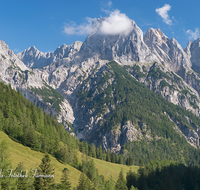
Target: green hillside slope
28, 125
31, 160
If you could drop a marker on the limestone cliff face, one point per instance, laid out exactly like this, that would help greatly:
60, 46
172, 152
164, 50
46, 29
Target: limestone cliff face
182, 62
153, 59
192, 135
193, 51
124, 48
176, 90
170, 86
115, 139
187, 49
34, 58
156, 77
168, 51
13, 71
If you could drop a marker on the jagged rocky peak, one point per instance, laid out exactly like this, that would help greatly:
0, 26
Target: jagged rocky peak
31, 51
154, 36
5, 50
168, 51
32, 57
13, 71
187, 49
3, 45
60, 51
193, 51
32, 48
68, 50
123, 46
7, 56
76, 45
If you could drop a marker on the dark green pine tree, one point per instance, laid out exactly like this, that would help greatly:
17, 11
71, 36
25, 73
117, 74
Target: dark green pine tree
108, 159
198, 179
110, 184
92, 152
120, 161
86, 148
64, 155
131, 179
91, 173
22, 182
31, 138
141, 162
84, 183
131, 161
99, 153
65, 184
5, 165
168, 183
133, 188
142, 180
188, 179
1, 118
113, 158
45, 168
121, 182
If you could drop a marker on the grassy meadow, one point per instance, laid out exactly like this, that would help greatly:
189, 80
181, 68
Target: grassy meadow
31, 160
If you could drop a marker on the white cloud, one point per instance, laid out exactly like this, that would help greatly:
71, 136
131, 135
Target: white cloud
116, 23
82, 29
193, 35
163, 12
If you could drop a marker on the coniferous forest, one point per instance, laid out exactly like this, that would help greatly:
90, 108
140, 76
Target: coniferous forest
139, 105
92, 98
31, 126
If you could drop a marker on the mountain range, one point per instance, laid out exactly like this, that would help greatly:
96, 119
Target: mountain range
93, 87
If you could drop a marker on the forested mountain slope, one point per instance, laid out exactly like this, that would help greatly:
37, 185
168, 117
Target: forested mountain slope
31, 126
120, 113
14, 72
147, 97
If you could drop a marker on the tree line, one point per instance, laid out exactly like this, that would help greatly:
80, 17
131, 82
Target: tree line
29, 125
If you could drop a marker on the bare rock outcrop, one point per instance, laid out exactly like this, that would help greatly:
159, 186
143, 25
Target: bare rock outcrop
15, 72
124, 48
168, 51
34, 58
193, 51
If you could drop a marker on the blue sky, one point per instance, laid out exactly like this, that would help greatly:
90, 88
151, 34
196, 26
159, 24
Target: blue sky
47, 24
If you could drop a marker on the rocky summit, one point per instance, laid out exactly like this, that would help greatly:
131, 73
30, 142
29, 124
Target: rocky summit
193, 52
124, 48
99, 88
169, 51
32, 57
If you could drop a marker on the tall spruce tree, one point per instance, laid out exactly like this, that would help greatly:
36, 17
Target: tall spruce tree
131, 179
46, 169
65, 183
121, 182
133, 188
5, 165
23, 182
84, 183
